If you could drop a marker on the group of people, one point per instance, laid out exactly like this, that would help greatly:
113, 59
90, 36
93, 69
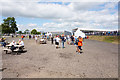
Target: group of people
61, 39
13, 43
20, 42
107, 33
72, 40
31, 36
58, 39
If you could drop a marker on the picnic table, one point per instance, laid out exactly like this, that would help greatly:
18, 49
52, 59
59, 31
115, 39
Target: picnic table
19, 48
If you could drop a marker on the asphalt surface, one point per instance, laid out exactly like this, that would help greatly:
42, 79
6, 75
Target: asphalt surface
98, 60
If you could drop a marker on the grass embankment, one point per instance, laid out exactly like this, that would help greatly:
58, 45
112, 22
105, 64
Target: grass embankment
110, 39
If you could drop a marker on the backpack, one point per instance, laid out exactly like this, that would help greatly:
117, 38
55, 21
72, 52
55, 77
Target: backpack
76, 42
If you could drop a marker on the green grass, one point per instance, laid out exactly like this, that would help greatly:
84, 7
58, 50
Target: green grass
109, 39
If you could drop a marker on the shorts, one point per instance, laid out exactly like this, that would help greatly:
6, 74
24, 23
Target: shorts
79, 47
57, 43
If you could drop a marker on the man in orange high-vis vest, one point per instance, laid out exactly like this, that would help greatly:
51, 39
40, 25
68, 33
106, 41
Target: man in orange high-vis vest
80, 40
22, 37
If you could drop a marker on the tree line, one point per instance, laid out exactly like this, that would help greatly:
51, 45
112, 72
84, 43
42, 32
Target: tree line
9, 26
34, 31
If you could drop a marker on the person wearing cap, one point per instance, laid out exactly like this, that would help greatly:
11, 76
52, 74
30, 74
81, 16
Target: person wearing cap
72, 39
21, 42
80, 40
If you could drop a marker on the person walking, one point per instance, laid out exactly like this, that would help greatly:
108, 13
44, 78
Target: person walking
63, 40
68, 36
52, 39
72, 39
36, 39
22, 37
57, 39
29, 36
76, 43
80, 40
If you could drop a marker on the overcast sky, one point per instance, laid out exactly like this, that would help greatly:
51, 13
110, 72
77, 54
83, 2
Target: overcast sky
59, 16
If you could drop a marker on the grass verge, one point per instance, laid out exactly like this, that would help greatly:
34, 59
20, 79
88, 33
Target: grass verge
109, 39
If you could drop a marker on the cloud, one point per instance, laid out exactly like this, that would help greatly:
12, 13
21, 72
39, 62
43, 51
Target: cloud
85, 5
60, 0
111, 5
82, 14
47, 11
32, 25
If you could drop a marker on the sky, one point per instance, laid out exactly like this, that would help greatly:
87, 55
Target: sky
59, 15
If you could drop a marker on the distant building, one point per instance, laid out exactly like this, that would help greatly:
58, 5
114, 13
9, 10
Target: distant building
61, 32
57, 33
67, 33
96, 31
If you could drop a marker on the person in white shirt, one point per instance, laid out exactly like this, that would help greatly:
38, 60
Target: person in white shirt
36, 39
13, 43
57, 39
21, 43
68, 36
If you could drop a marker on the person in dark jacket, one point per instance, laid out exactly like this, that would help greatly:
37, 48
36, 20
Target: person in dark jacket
52, 39
63, 40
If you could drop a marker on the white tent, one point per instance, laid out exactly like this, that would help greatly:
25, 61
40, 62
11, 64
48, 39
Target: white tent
79, 33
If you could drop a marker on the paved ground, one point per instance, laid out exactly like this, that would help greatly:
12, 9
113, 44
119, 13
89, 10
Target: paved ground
98, 60
0, 63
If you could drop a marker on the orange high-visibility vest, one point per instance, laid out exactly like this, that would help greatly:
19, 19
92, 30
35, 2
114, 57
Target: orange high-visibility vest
80, 42
22, 36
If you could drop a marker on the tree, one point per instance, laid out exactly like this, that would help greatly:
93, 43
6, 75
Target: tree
26, 31
34, 31
43, 33
0, 30
38, 32
9, 25
5, 28
20, 32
